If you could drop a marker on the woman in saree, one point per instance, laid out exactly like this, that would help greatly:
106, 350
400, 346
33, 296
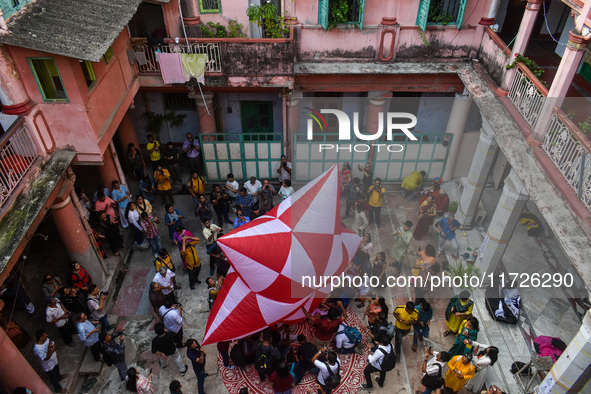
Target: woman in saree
458, 309
427, 213
466, 337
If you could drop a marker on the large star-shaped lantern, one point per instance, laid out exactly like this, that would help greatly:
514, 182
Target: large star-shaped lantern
276, 258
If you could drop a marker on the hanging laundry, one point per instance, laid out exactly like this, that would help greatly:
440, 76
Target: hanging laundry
171, 68
194, 66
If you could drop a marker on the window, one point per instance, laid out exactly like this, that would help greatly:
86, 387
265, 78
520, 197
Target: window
335, 12
9, 7
441, 12
108, 55
210, 7
88, 71
178, 102
48, 79
257, 117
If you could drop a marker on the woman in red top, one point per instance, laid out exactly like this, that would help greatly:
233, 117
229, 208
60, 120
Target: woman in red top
80, 278
282, 380
328, 325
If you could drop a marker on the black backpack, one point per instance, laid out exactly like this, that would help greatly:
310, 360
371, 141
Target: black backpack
433, 382
334, 379
389, 360
264, 362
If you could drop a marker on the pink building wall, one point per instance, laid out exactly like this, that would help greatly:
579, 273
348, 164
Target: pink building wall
446, 41
89, 119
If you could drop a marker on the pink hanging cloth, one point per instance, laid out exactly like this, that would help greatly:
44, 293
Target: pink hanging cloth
171, 67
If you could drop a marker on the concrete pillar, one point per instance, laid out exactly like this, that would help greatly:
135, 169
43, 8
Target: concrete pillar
479, 170
191, 17
455, 125
293, 120
15, 371
76, 239
14, 97
377, 105
206, 120
502, 224
572, 371
126, 133
108, 172
567, 69
523, 35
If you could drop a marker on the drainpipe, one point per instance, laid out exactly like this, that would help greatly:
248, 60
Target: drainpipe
85, 224
494, 9
285, 120
117, 164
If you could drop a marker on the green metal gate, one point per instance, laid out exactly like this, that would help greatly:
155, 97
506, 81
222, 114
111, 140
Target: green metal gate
243, 154
429, 154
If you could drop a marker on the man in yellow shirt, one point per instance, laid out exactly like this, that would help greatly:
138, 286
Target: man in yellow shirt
154, 150
162, 181
413, 184
189, 255
406, 316
375, 194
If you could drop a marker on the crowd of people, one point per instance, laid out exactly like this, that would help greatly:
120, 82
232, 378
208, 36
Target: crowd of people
76, 306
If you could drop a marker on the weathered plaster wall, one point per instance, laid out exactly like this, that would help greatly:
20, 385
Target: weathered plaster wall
492, 57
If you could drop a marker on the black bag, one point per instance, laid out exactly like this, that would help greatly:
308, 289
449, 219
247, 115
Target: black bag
264, 362
517, 365
334, 379
389, 360
433, 382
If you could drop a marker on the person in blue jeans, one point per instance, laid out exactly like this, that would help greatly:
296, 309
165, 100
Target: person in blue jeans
197, 357
421, 329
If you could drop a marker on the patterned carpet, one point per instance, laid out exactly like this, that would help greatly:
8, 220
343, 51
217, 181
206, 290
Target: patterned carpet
352, 366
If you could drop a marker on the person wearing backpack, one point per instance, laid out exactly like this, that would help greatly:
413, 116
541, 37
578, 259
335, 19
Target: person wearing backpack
329, 375
349, 340
382, 361
433, 370
267, 356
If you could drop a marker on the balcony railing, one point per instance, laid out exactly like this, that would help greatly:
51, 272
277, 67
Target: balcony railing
570, 152
528, 94
211, 49
17, 154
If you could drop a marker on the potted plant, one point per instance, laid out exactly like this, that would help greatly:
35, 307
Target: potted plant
453, 207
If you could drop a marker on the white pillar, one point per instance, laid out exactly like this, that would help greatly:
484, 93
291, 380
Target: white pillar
502, 224
572, 371
456, 124
477, 176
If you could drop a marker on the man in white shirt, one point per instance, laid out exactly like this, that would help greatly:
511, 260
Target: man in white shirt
343, 344
430, 365
375, 361
55, 313
45, 350
164, 279
253, 187
332, 362
284, 170
172, 317
232, 186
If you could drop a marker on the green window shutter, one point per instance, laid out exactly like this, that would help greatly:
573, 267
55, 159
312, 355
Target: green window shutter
323, 13
361, 10
461, 11
423, 14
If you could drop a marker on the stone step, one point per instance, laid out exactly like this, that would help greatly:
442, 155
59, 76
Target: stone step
89, 366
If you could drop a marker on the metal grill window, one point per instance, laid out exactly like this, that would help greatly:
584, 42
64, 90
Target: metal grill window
178, 102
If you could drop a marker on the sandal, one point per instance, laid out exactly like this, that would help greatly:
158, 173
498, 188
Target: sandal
446, 333
116, 254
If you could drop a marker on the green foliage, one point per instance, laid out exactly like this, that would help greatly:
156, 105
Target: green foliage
213, 30
155, 121
423, 36
585, 126
531, 65
453, 206
266, 17
235, 29
460, 268
434, 14
341, 12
